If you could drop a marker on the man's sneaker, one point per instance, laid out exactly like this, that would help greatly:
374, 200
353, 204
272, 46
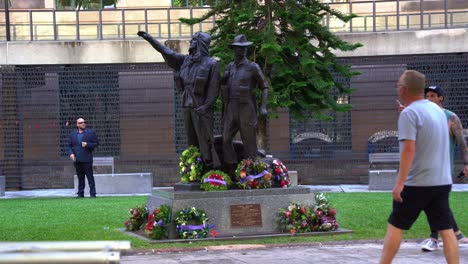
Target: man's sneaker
461, 238
429, 245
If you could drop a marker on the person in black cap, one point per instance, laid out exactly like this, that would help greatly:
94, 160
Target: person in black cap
197, 75
436, 95
240, 79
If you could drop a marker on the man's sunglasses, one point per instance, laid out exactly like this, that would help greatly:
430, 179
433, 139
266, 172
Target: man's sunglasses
79, 123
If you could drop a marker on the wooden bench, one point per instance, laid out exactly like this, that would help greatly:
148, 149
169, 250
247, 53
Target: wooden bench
104, 161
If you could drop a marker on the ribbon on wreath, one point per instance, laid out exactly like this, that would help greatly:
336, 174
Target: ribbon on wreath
195, 227
215, 180
159, 223
253, 177
278, 176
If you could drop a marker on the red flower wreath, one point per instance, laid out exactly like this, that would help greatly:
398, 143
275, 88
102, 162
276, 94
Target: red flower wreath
280, 173
215, 180
253, 174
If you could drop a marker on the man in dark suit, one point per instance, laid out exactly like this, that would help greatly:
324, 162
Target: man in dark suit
81, 144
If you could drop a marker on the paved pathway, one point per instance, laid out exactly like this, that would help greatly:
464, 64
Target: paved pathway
410, 252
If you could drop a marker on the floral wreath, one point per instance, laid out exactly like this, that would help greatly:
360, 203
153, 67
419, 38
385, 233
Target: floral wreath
297, 218
138, 216
215, 180
326, 214
280, 173
191, 223
253, 174
159, 220
191, 165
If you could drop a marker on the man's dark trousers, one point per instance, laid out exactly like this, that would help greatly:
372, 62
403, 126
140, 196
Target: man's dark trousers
82, 169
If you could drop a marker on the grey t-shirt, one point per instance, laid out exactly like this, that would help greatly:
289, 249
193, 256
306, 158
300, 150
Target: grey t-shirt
424, 122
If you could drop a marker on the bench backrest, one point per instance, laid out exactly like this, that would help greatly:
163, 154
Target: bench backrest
384, 157
104, 161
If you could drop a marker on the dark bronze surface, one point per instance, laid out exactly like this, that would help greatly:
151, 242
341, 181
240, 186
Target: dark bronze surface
246, 215
197, 76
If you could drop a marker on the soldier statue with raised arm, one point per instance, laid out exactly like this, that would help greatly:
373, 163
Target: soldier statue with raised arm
197, 75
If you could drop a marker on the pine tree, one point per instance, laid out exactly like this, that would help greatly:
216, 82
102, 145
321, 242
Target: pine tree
293, 48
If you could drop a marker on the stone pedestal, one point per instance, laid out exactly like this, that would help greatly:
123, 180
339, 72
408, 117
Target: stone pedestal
293, 177
224, 208
193, 186
120, 183
382, 180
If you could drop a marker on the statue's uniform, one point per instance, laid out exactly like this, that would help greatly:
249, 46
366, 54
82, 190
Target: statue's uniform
240, 108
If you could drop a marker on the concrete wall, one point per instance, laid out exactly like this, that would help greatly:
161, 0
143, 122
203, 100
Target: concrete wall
138, 51
408, 42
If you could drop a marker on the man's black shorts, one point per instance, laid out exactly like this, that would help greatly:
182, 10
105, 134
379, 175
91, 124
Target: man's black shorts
433, 200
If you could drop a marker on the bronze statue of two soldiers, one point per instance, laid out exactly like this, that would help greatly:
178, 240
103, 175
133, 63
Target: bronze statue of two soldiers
198, 76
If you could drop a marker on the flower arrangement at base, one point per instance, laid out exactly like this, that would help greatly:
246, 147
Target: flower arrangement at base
191, 165
215, 180
326, 214
296, 218
253, 174
280, 174
191, 223
158, 223
138, 216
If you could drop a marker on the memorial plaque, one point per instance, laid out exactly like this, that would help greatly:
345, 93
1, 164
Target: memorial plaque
243, 215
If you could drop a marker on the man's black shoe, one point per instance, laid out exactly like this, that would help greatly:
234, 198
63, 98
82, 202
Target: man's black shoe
93, 196
79, 196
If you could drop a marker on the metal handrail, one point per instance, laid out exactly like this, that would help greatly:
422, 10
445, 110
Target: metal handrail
170, 27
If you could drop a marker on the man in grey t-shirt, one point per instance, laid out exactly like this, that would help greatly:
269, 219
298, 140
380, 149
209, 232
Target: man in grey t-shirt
424, 181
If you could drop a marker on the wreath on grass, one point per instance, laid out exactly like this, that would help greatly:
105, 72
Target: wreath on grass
191, 165
138, 216
191, 223
326, 214
280, 173
158, 223
215, 180
253, 174
297, 218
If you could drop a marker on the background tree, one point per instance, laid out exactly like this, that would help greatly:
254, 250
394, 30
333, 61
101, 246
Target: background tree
293, 48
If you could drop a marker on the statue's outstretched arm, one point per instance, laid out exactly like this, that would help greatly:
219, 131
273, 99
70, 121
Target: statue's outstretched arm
156, 44
173, 59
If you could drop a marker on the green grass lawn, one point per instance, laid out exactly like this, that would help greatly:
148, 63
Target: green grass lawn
51, 219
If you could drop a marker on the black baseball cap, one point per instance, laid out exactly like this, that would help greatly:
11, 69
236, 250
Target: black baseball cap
436, 89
